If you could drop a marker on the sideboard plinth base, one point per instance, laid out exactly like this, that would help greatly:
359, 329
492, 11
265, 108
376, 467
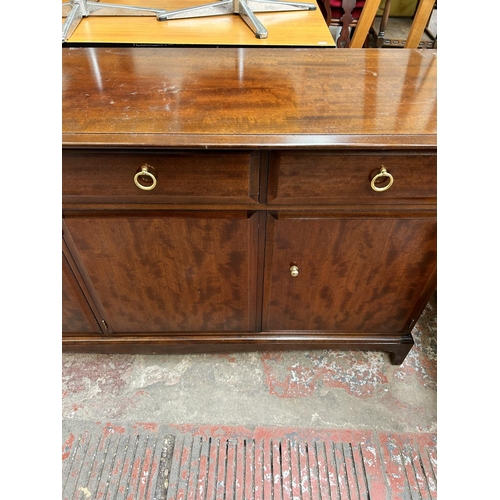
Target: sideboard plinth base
396, 345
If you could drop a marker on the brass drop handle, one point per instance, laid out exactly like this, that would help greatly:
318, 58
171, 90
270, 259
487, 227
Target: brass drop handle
383, 173
294, 271
145, 172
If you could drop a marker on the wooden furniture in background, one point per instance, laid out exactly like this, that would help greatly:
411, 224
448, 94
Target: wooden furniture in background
417, 25
265, 228
300, 28
356, 15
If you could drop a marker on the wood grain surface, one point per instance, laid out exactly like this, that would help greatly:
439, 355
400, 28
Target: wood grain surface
264, 161
170, 272
299, 28
316, 178
76, 313
182, 177
359, 275
228, 97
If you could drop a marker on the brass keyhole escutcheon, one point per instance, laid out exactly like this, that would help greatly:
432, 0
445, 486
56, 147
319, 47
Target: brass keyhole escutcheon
383, 174
294, 271
146, 173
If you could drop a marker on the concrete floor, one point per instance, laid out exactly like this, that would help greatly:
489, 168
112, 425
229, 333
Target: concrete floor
343, 425
309, 389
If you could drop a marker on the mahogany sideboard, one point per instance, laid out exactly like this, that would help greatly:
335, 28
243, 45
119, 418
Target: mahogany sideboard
224, 199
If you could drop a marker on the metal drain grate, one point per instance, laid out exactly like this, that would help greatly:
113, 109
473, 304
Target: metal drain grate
216, 468
111, 462
214, 463
287, 469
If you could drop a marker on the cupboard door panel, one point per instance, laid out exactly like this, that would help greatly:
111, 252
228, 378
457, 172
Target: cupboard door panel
354, 274
173, 272
77, 317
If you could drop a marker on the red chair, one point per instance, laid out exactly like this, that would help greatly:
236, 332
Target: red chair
356, 15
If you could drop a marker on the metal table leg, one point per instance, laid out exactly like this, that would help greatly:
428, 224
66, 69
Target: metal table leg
244, 8
79, 9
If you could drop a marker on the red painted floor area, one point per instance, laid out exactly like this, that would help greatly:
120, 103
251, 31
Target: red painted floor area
308, 425
297, 389
151, 462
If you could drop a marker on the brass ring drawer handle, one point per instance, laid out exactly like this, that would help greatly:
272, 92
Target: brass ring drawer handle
294, 271
383, 173
144, 172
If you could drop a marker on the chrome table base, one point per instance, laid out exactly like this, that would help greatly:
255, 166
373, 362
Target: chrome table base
244, 8
79, 9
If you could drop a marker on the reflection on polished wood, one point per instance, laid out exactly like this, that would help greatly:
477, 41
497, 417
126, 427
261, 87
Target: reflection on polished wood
247, 96
299, 28
263, 231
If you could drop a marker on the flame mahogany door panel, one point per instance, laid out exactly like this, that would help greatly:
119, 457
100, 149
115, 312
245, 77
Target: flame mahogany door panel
169, 271
264, 159
356, 274
77, 316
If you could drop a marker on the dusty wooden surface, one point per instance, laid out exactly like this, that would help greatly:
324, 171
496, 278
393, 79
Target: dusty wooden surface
180, 97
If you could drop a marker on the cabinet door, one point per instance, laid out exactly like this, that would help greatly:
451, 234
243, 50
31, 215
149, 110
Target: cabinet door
355, 275
169, 271
77, 317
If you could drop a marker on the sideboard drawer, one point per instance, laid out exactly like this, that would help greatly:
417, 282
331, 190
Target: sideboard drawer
179, 177
336, 178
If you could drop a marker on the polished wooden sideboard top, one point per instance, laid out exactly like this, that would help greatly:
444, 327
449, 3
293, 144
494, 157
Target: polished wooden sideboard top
265, 230
248, 97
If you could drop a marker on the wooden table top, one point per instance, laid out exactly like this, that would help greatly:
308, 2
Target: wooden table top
299, 28
239, 97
